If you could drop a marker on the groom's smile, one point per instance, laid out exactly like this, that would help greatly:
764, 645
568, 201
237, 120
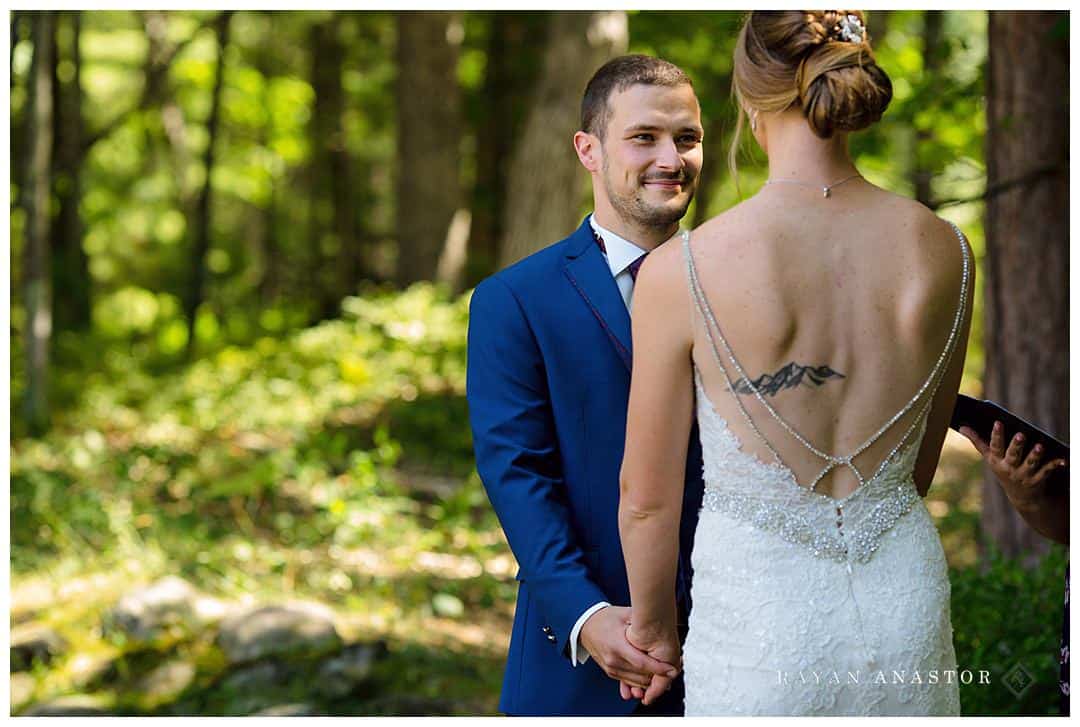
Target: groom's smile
665, 184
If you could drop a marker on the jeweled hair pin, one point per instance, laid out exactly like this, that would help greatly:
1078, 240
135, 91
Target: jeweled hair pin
851, 29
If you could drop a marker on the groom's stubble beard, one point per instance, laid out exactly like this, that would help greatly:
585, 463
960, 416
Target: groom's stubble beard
632, 207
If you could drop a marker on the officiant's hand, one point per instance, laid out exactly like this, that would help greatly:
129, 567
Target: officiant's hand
604, 636
1026, 480
661, 644
1021, 477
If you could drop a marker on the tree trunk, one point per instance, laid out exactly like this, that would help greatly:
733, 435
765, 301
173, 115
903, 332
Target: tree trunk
332, 229
546, 182
429, 133
70, 268
514, 56
933, 54
269, 249
201, 223
37, 297
1027, 239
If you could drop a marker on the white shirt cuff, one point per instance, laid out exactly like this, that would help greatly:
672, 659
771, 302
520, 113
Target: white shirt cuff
577, 658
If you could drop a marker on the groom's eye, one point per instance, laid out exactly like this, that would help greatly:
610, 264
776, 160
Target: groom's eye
643, 137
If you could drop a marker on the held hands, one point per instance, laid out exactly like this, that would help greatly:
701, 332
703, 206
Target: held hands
1022, 478
661, 644
605, 636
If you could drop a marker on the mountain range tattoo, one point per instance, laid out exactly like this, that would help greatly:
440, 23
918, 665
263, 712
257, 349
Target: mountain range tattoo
788, 377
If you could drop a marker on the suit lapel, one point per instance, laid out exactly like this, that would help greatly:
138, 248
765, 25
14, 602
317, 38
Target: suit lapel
591, 277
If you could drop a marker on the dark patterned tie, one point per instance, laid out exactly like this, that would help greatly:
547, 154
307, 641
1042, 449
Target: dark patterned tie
599, 241
634, 267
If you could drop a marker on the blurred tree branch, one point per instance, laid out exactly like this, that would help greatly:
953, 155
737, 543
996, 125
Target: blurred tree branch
995, 189
156, 70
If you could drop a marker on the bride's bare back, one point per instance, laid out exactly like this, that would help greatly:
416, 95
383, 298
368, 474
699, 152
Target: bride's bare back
837, 310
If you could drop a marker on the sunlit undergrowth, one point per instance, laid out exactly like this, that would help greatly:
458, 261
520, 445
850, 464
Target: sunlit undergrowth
292, 439
332, 463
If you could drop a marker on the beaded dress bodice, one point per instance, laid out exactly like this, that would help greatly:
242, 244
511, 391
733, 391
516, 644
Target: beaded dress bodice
805, 603
778, 504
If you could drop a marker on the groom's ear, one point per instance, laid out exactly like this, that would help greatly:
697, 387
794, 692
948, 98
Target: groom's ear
588, 150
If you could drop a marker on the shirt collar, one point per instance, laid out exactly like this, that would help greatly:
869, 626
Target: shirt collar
620, 251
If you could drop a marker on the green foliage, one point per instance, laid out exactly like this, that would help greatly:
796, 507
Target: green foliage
1006, 616
271, 251
303, 424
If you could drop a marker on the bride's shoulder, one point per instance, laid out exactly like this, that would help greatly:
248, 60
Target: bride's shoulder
737, 215
661, 283
915, 215
720, 233
938, 241
925, 235
932, 259
663, 266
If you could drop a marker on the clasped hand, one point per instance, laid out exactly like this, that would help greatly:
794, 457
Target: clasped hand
662, 645
644, 664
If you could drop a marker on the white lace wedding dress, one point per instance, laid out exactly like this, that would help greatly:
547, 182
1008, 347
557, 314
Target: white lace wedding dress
809, 605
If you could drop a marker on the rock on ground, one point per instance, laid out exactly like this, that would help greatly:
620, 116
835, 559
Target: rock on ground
165, 682
256, 679
341, 674
22, 690
88, 670
34, 642
74, 705
298, 629
145, 613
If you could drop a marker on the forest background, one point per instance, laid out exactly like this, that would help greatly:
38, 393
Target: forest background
241, 249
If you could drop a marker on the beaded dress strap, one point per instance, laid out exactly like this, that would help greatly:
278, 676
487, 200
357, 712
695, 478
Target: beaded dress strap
932, 382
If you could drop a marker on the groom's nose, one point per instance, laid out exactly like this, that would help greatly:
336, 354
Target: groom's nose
668, 156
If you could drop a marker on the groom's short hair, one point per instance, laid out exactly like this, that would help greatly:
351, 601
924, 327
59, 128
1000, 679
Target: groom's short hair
619, 74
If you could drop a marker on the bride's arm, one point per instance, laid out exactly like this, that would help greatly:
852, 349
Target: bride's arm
658, 429
941, 409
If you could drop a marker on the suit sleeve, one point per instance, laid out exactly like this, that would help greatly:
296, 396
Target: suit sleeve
518, 458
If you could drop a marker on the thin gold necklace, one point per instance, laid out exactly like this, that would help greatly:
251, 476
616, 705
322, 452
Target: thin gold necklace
826, 191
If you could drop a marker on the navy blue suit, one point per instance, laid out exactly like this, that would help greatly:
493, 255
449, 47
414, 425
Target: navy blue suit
548, 383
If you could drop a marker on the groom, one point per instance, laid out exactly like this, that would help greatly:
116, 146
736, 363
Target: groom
549, 357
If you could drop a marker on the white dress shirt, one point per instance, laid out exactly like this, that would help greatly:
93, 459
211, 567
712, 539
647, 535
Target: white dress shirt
620, 253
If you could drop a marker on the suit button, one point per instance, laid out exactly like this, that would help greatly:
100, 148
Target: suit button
547, 629
551, 638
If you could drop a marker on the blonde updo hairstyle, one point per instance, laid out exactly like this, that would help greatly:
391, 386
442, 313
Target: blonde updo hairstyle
786, 58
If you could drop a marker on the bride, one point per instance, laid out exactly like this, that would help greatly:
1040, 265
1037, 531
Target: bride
817, 332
